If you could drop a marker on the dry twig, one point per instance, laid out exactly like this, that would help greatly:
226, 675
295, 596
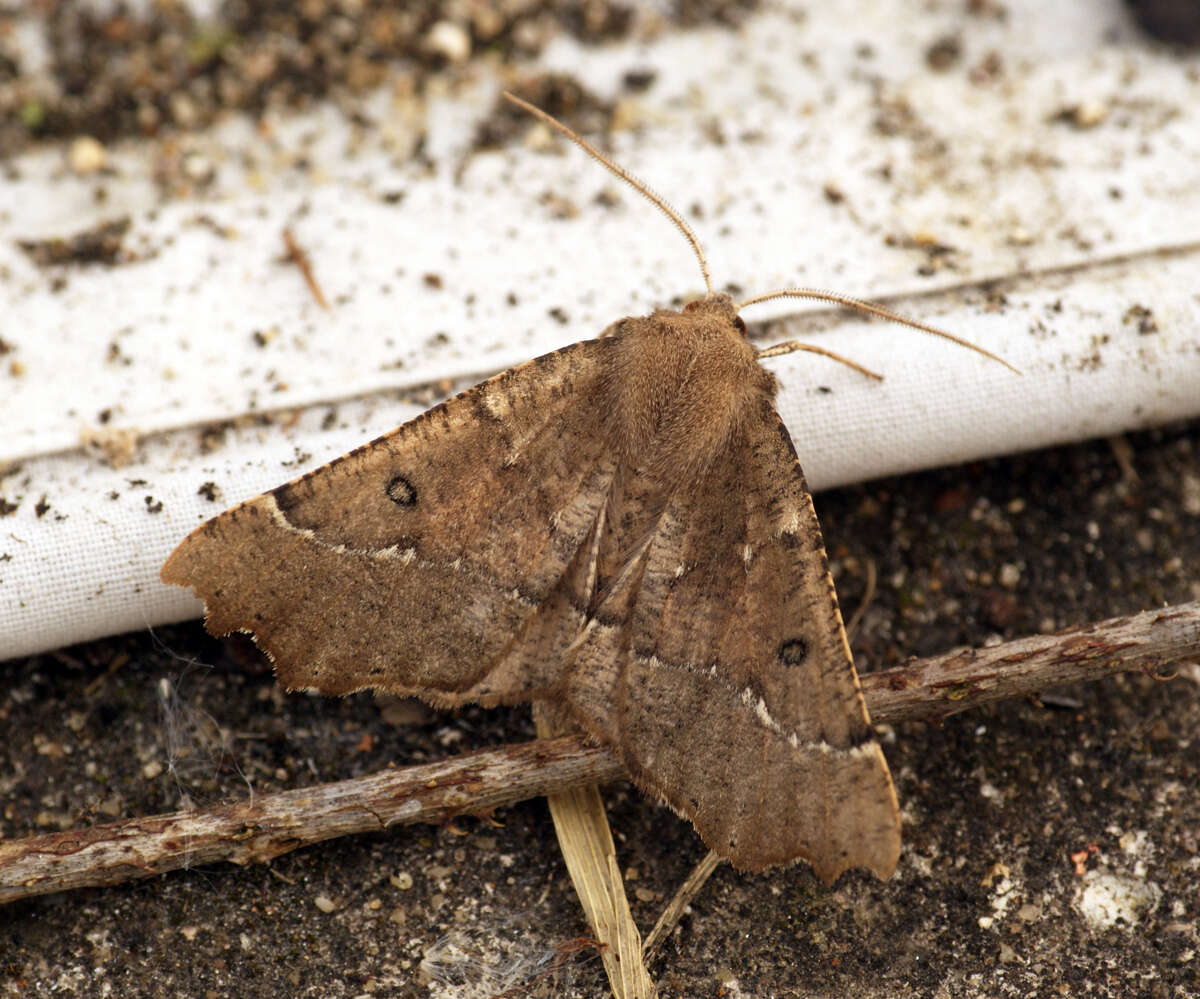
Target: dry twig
300, 259
683, 898
271, 825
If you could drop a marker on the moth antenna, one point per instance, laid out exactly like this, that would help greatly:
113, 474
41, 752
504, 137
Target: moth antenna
642, 188
875, 310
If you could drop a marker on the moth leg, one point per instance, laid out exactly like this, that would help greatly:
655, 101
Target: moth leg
791, 346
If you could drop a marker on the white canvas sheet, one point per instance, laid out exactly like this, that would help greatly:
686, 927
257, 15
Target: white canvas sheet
809, 148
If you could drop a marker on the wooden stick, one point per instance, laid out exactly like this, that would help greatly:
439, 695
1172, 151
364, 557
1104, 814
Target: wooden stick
943, 685
271, 825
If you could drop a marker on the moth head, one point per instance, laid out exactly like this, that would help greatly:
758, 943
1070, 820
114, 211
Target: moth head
681, 385
720, 306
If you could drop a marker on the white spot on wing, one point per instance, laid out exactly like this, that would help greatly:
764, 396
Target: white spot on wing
759, 707
391, 553
494, 403
769, 722
406, 557
789, 523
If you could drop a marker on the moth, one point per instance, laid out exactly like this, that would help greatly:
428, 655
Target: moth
620, 528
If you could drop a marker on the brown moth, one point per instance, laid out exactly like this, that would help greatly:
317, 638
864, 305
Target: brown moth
620, 528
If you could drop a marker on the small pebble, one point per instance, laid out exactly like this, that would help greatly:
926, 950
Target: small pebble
86, 155
183, 109
1089, 114
450, 41
198, 168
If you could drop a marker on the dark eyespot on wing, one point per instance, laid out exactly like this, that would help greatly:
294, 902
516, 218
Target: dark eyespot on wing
793, 652
401, 491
